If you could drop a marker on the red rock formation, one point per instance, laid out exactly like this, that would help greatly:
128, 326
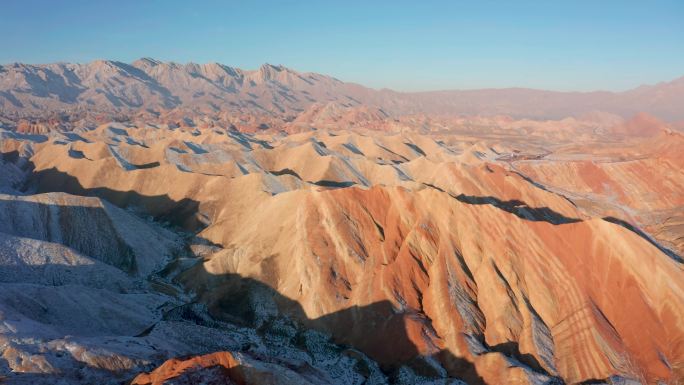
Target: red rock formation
217, 368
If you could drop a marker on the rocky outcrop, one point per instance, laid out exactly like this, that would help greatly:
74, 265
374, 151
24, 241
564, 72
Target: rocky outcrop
224, 368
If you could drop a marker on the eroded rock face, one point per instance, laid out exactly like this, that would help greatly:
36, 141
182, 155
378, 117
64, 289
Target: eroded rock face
361, 256
90, 226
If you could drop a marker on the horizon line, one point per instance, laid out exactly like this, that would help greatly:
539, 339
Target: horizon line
467, 89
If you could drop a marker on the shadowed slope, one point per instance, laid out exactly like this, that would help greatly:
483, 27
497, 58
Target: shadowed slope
251, 302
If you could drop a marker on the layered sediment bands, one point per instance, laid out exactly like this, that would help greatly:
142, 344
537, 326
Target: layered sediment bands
641, 183
436, 251
463, 268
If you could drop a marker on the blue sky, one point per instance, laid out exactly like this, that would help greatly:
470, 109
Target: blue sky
403, 45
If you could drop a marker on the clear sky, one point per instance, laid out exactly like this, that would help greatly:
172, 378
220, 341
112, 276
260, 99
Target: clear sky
403, 45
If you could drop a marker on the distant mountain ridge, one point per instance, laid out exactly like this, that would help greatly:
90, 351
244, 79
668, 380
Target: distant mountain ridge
152, 86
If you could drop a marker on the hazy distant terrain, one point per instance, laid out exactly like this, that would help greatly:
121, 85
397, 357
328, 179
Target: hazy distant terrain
150, 86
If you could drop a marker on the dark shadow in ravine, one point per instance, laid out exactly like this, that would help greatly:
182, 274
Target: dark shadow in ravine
415, 148
322, 183
286, 171
519, 209
645, 236
512, 349
515, 207
379, 330
333, 184
183, 214
10, 156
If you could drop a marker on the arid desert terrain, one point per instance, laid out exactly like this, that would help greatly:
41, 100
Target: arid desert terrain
198, 223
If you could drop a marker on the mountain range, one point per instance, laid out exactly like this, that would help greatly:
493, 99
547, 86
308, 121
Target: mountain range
152, 87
